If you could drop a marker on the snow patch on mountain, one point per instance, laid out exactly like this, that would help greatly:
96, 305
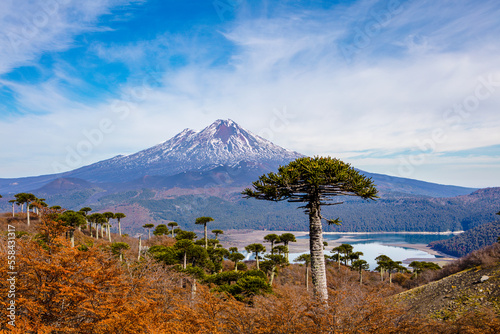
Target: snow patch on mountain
221, 143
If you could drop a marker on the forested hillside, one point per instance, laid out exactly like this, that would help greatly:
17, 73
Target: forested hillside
469, 241
233, 212
384, 214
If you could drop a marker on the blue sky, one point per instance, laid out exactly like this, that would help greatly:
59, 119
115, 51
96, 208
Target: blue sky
405, 88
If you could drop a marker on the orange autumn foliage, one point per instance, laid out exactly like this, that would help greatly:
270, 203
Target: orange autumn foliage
60, 289
64, 289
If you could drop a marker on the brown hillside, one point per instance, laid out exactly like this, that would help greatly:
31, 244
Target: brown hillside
473, 289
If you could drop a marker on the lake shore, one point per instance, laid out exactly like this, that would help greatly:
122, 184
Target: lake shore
242, 238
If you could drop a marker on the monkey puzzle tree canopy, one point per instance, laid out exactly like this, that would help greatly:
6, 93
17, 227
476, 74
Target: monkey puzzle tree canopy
203, 221
118, 217
315, 181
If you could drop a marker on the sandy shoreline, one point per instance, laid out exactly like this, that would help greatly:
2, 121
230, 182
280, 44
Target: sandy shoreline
242, 238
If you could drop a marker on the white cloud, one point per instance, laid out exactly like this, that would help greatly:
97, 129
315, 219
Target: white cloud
30, 28
389, 97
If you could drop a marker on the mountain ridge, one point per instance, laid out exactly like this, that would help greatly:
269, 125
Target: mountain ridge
221, 143
198, 173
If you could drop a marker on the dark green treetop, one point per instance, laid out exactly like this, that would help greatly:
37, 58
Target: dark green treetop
313, 179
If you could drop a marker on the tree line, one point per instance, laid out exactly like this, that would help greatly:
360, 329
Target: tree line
469, 241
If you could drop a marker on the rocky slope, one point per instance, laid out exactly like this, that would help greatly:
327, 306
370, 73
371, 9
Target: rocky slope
476, 288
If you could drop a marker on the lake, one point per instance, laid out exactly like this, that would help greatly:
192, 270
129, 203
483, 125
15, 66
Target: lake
395, 245
375, 244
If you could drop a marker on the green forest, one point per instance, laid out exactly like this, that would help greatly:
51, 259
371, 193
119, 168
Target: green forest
386, 214
417, 214
469, 241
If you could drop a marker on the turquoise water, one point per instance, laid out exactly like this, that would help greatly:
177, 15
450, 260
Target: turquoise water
373, 245
385, 238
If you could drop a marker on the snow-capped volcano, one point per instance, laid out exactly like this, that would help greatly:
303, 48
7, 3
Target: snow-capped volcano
221, 143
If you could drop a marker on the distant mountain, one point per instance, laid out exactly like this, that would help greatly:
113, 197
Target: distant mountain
398, 186
223, 143
203, 173
222, 150
64, 185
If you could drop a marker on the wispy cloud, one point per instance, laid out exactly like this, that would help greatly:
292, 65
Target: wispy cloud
30, 28
360, 77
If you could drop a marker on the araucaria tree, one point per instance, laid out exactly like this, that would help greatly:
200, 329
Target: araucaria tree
72, 220
257, 249
118, 217
203, 221
306, 258
316, 182
286, 238
148, 227
272, 238
235, 256
109, 215
27, 198
117, 248
360, 265
172, 225
217, 232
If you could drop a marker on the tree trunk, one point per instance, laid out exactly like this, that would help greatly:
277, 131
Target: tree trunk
272, 276
119, 228
185, 260
28, 213
318, 273
149, 233
102, 231
257, 259
206, 240
109, 233
287, 252
307, 277
12, 210
96, 231
72, 237
193, 290
236, 267
361, 276
139, 253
